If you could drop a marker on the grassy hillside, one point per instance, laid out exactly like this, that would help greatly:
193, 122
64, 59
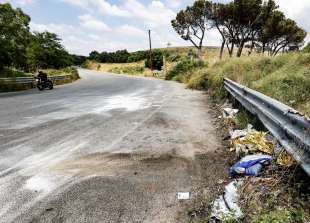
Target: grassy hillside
285, 77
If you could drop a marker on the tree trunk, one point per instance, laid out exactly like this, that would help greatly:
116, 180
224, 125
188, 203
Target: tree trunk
230, 49
252, 47
264, 48
239, 52
222, 49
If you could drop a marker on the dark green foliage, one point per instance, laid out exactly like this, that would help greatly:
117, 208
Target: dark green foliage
307, 48
120, 56
14, 30
192, 23
28, 51
94, 55
183, 67
78, 60
138, 56
157, 60
46, 51
5, 72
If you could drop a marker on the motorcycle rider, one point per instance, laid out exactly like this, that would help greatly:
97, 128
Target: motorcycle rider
42, 76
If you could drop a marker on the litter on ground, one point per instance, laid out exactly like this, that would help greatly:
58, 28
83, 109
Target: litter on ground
249, 141
285, 159
250, 165
229, 112
183, 196
226, 206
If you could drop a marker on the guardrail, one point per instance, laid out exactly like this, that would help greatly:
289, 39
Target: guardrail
28, 80
291, 128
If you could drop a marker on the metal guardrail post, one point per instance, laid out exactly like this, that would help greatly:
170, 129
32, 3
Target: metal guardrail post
290, 127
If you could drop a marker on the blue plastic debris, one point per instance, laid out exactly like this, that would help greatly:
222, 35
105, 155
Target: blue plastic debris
250, 165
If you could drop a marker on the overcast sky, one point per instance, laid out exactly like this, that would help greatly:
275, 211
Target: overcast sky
108, 25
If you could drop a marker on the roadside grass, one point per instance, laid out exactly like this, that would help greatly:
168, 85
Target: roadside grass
285, 77
284, 197
62, 71
7, 72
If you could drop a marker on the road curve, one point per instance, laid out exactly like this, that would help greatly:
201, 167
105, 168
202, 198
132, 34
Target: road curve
107, 148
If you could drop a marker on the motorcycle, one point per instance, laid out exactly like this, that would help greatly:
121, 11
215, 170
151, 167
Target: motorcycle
47, 84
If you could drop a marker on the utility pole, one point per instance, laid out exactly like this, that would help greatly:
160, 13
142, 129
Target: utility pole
150, 41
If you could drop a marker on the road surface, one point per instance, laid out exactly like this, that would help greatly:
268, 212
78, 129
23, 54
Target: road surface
107, 148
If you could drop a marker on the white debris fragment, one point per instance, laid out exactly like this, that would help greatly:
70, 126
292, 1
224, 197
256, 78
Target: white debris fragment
229, 112
226, 206
183, 196
241, 133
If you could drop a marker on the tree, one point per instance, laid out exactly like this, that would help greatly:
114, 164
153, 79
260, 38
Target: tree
14, 33
77, 59
221, 22
191, 24
46, 51
279, 33
94, 55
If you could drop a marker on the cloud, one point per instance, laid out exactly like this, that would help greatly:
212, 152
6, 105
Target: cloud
91, 22
108, 9
131, 31
25, 2
155, 14
174, 3
59, 29
103, 6
80, 3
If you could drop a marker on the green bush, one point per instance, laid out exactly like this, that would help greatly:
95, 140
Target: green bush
183, 68
307, 48
6, 72
157, 60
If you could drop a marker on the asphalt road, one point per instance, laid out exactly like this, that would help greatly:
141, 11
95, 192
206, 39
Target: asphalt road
107, 148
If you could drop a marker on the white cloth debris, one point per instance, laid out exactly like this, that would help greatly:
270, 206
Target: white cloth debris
226, 206
241, 133
229, 112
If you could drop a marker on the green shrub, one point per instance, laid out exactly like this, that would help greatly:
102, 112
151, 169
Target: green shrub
6, 72
307, 48
157, 60
173, 57
281, 216
183, 68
